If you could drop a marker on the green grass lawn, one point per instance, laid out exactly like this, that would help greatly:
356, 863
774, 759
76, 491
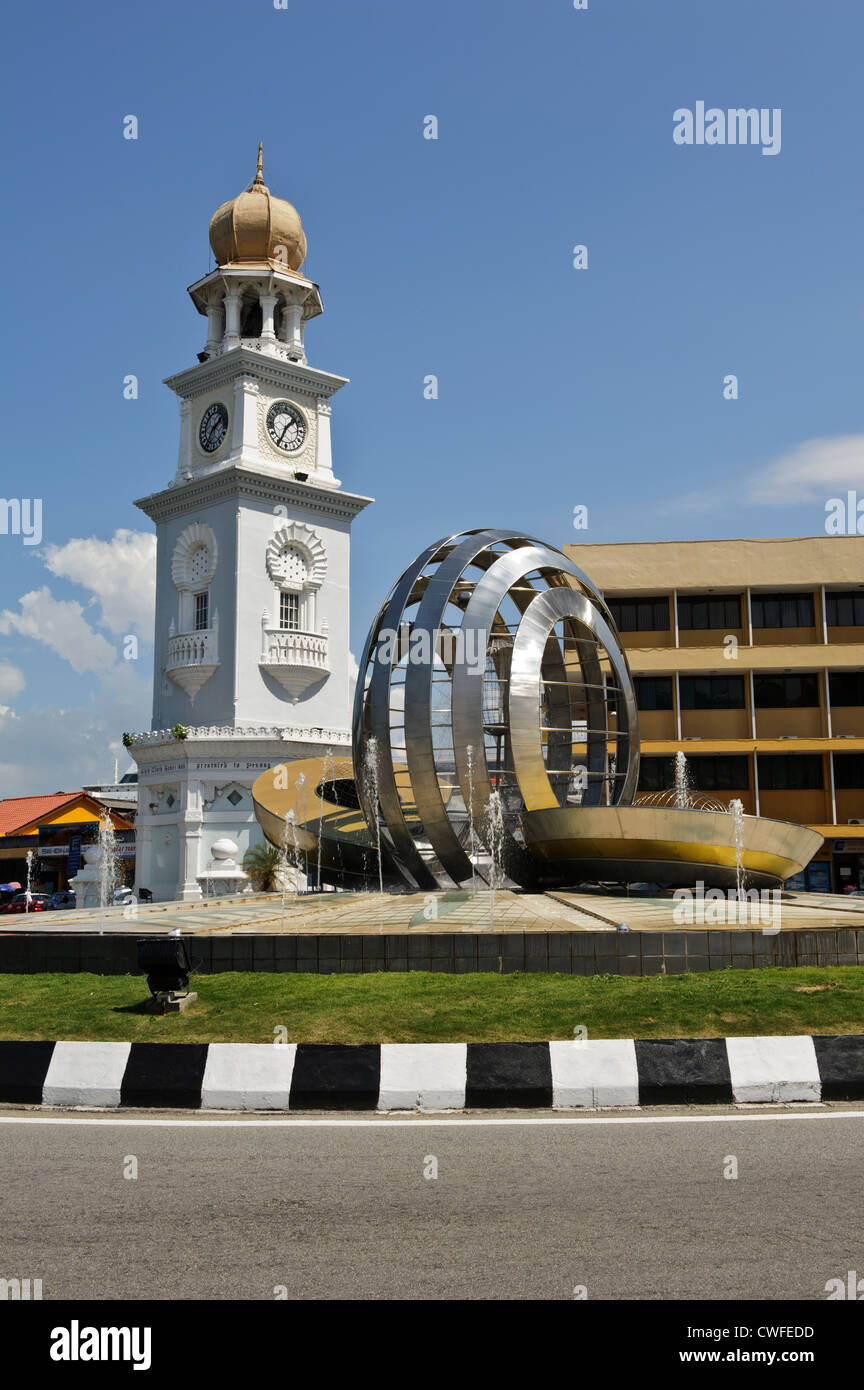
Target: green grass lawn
423, 1007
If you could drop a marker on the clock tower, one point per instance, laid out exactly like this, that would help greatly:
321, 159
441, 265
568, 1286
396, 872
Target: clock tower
252, 659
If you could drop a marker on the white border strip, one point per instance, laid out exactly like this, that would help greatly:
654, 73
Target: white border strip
375, 1121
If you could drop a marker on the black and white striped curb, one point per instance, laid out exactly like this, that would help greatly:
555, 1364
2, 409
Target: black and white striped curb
433, 1076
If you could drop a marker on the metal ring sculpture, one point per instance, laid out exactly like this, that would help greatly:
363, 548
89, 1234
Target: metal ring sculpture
492, 666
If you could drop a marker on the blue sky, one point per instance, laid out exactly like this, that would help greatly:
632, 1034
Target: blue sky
601, 387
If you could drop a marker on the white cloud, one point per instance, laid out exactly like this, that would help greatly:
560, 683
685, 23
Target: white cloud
49, 748
52, 749
60, 624
12, 681
817, 468
120, 574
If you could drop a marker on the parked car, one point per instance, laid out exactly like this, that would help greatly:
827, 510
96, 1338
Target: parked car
19, 903
123, 896
60, 901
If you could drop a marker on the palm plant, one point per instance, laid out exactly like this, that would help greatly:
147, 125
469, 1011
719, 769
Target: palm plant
263, 864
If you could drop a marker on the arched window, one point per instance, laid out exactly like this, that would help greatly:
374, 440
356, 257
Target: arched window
193, 565
296, 564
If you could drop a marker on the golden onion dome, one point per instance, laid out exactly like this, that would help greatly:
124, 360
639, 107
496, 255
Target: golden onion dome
257, 229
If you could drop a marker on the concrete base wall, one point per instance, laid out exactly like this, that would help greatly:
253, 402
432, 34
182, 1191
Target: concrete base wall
569, 953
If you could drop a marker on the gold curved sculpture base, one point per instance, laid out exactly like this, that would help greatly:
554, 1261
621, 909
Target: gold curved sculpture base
568, 845
347, 851
630, 844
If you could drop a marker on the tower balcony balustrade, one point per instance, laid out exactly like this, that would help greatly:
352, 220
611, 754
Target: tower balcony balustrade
193, 657
295, 659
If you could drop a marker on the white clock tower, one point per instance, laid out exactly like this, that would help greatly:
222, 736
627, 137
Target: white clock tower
252, 659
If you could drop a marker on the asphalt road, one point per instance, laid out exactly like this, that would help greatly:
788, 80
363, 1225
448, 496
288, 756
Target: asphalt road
630, 1208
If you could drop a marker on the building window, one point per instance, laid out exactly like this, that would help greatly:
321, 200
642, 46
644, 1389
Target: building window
848, 771
714, 773
289, 612
845, 609
780, 772
640, 614
786, 692
202, 611
846, 687
697, 611
782, 610
656, 774
712, 692
653, 692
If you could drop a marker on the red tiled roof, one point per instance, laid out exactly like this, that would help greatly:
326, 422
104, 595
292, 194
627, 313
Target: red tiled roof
19, 811
16, 811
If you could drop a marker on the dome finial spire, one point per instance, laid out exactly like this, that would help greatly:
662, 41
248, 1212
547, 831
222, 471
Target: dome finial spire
257, 229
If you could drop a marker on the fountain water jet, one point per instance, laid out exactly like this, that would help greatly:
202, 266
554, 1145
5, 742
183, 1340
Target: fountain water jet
471, 828
328, 761
370, 777
683, 783
29, 890
289, 833
736, 810
107, 865
495, 831
300, 784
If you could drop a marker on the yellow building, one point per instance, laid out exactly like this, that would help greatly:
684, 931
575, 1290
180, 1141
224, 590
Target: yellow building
748, 656
54, 828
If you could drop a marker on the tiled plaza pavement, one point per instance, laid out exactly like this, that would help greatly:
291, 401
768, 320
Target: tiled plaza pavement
375, 913
798, 911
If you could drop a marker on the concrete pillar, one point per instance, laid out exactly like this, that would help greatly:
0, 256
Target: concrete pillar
268, 310
292, 327
143, 853
189, 889
189, 832
324, 448
244, 431
184, 453
232, 318
214, 324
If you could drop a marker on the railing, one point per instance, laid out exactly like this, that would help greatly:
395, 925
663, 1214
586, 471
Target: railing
285, 648
272, 347
192, 649
296, 733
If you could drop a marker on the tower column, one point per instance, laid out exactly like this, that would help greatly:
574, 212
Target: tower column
184, 451
232, 318
324, 451
244, 436
268, 310
214, 323
189, 833
292, 327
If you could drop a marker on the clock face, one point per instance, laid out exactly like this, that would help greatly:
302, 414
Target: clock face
214, 427
286, 426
